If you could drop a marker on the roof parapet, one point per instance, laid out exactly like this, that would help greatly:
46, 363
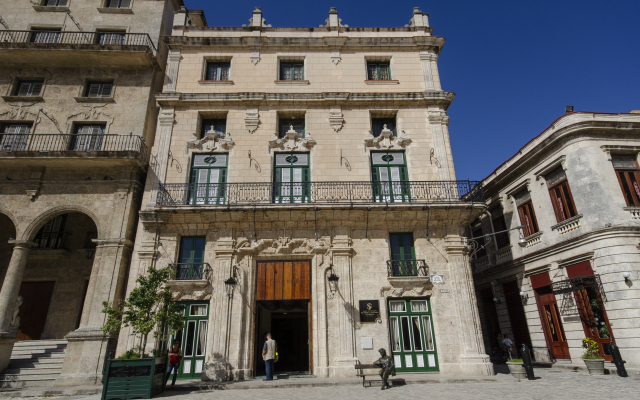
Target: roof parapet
257, 20
419, 19
333, 20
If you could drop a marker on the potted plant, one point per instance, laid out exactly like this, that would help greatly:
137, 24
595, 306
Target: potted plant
516, 367
149, 308
592, 358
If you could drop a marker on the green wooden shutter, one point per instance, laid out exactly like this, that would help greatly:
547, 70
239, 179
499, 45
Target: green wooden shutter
390, 177
291, 178
208, 179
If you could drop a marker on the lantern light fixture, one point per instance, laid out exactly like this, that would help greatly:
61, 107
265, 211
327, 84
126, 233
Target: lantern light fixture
626, 276
333, 281
231, 283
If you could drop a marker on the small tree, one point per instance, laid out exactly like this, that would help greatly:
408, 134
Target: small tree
149, 306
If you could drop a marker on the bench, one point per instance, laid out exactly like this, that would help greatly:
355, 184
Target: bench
360, 373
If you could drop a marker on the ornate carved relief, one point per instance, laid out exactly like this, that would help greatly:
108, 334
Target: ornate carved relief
252, 120
336, 119
92, 112
19, 111
282, 245
387, 140
335, 56
191, 289
255, 56
211, 141
291, 141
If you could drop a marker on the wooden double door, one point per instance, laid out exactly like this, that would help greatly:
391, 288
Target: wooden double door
552, 323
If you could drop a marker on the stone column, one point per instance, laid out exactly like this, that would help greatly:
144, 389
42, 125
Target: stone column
216, 367
473, 361
439, 121
345, 342
87, 346
8, 296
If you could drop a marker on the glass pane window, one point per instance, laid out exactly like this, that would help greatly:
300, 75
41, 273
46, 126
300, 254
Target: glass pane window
411, 334
395, 335
14, 137
217, 125
561, 195
55, 3
218, 71
390, 177
291, 71
29, 88
202, 338
499, 224
380, 71
528, 218
199, 309
190, 334
87, 137
378, 124
288, 123
396, 306
417, 334
291, 178
419, 306
118, 3
406, 334
99, 89
628, 174
51, 235
428, 334
45, 36
208, 178
110, 38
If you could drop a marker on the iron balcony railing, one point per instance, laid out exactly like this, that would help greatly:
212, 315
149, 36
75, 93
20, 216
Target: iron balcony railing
195, 194
98, 39
73, 143
191, 271
406, 268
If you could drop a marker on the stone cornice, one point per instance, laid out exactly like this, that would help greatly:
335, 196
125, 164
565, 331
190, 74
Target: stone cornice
576, 124
429, 97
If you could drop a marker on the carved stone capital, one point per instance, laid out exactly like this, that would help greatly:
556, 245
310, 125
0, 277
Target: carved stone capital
291, 141
387, 140
211, 141
252, 120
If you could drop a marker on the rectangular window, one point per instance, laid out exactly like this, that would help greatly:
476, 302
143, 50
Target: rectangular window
287, 124
378, 71
29, 88
118, 3
477, 232
526, 213
561, 195
292, 71
378, 124
208, 179
14, 137
217, 125
45, 35
51, 235
291, 178
190, 265
87, 137
499, 224
390, 177
99, 89
218, 71
55, 3
403, 254
627, 171
110, 37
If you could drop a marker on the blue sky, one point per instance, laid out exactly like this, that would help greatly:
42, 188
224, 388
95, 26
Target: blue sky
513, 64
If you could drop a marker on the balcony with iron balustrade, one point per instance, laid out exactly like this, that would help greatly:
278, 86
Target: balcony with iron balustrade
67, 48
408, 276
190, 276
72, 150
285, 195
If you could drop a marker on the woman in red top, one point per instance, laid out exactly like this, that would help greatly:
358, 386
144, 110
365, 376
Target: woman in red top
175, 356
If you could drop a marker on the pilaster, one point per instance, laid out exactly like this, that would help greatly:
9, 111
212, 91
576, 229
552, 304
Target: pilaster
439, 121
173, 60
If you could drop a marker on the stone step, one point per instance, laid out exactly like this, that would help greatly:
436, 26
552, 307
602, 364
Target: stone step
39, 348
9, 372
33, 361
36, 352
33, 356
30, 382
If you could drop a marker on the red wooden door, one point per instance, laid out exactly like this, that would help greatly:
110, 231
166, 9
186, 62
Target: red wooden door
36, 297
550, 316
592, 313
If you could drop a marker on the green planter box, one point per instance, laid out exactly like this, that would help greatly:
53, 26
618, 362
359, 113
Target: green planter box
134, 379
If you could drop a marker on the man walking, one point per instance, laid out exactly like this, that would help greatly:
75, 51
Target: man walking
269, 351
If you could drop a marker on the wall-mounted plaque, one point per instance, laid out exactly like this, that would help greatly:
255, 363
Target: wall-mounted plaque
437, 279
369, 311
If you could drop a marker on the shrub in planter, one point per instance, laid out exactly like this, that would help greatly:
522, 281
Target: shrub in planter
149, 308
592, 358
516, 368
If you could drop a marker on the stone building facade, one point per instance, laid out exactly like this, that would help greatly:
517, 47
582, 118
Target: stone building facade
289, 160
77, 118
574, 189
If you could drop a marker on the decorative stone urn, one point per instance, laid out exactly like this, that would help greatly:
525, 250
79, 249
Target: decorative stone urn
517, 370
595, 367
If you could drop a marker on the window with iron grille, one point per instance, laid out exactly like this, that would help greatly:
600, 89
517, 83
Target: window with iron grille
287, 123
51, 235
99, 89
378, 124
291, 178
45, 35
29, 88
55, 3
526, 213
208, 177
291, 71
118, 3
499, 224
482, 245
87, 137
105, 38
390, 177
378, 71
14, 136
628, 173
218, 71
560, 193
217, 125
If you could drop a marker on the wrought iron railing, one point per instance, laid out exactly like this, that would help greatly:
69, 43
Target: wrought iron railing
191, 271
93, 38
407, 268
66, 143
51, 240
194, 194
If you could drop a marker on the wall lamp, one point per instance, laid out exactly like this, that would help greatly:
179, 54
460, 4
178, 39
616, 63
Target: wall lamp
231, 283
496, 300
626, 276
524, 296
333, 281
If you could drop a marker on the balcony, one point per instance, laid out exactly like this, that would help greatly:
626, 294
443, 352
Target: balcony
403, 268
191, 271
63, 48
67, 149
329, 193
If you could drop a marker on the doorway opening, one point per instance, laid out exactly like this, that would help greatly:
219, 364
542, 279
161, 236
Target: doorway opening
288, 323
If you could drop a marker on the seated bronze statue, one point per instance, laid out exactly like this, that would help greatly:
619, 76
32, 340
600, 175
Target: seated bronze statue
387, 366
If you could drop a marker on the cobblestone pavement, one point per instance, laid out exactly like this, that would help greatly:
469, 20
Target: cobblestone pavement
550, 384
